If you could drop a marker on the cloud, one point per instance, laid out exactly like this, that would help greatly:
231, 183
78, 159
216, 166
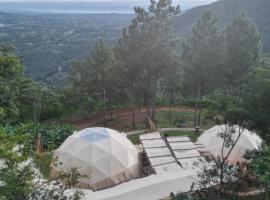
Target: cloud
176, 1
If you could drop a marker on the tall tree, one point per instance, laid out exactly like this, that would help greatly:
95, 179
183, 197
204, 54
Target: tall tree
242, 44
145, 50
20, 95
11, 71
95, 80
202, 59
256, 98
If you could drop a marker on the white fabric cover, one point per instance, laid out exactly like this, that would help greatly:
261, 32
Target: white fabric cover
150, 136
186, 153
182, 145
158, 186
213, 142
157, 143
104, 155
161, 160
159, 169
157, 152
178, 139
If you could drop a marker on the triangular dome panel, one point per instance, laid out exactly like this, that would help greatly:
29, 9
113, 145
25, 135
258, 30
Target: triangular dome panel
103, 154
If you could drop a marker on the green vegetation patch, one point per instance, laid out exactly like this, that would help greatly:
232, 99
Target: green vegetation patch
43, 162
174, 119
181, 120
134, 139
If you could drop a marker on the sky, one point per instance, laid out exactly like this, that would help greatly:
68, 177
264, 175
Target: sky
100, 6
105, 0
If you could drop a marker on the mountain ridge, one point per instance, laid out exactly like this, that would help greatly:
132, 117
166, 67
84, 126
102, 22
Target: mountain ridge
258, 12
48, 43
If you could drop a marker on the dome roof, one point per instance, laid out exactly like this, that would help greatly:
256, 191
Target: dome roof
104, 155
213, 142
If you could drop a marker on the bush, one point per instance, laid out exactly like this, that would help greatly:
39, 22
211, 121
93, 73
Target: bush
52, 135
43, 162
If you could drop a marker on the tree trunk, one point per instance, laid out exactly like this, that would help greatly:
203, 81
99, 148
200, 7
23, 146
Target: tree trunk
111, 112
200, 111
221, 178
197, 106
110, 109
133, 118
231, 90
170, 114
239, 92
153, 112
104, 109
153, 106
139, 104
137, 101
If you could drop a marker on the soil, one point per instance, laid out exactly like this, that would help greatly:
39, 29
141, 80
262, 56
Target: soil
117, 119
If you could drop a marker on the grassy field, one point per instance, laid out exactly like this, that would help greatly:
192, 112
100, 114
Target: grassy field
174, 119
180, 119
135, 138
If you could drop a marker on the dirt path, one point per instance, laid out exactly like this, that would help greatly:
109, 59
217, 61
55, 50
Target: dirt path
117, 119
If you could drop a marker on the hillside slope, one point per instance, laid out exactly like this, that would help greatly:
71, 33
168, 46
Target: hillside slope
257, 10
48, 43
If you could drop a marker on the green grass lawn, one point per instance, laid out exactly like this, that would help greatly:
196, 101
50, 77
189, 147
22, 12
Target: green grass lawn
174, 119
135, 138
180, 119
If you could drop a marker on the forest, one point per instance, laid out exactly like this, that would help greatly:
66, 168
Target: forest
224, 75
59, 39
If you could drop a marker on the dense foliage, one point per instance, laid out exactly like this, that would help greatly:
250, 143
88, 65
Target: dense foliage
16, 177
130, 73
23, 99
260, 166
19, 178
52, 135
95, 81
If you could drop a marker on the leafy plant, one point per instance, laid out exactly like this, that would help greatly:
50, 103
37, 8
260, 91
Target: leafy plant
19, 180
43, 162
52, 135
260, 166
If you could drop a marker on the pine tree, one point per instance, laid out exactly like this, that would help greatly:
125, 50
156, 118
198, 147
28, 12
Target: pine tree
95, 80
242, 44
145, 50
202, 59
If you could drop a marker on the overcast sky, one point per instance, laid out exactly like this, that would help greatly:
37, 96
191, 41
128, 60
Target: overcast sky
109, 0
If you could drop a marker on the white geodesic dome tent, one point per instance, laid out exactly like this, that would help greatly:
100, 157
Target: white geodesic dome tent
213, 143
104, 155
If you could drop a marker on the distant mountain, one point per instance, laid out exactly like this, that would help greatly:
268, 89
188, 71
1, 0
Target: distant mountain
257, 10
79, 6
48, 43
